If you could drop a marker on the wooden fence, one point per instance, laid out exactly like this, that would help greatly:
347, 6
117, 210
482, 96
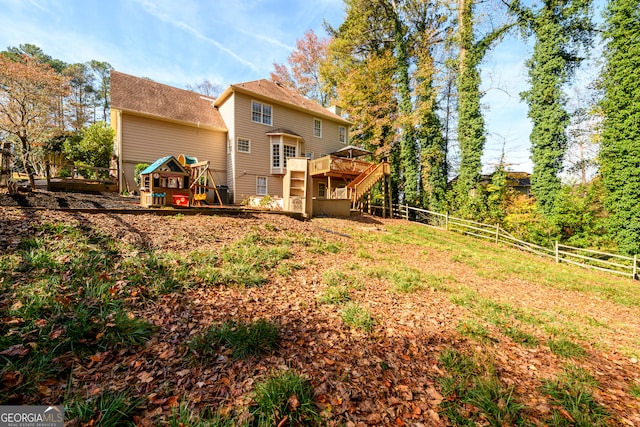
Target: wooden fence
612, 263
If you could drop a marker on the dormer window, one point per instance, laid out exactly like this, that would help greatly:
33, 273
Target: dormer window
261, 113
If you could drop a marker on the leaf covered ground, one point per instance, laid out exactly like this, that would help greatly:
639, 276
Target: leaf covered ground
391, 323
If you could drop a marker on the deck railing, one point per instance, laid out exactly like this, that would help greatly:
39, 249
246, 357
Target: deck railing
335, 164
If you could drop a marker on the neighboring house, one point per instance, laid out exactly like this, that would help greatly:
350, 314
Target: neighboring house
246, 134
520, 182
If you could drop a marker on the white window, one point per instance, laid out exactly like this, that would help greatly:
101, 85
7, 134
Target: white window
322, 190
308, 154
275, 156
343, 135
261, 186
317, 128
260, 113
289, 151
244, 145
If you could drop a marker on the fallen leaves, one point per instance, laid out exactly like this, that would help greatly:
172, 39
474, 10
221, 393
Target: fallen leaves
389, 377
17, 350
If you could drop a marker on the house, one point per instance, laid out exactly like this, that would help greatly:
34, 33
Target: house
520, 182
248, 136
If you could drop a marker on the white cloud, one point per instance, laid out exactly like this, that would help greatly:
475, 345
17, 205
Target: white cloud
153, 9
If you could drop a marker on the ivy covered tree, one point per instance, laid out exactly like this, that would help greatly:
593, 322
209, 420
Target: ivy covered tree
375, 62
471, 125
620, 145
560, 28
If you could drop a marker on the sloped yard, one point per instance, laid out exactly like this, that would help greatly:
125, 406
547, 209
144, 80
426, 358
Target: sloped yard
389, 323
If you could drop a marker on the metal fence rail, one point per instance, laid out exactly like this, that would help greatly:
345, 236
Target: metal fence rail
596, 260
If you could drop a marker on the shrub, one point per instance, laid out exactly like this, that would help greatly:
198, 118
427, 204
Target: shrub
136, 171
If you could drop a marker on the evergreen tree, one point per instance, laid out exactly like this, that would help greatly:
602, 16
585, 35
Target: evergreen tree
620, 146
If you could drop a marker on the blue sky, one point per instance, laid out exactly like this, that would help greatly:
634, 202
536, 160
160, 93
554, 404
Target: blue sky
180, 42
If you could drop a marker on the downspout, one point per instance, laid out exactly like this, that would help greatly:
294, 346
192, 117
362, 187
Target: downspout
121, 179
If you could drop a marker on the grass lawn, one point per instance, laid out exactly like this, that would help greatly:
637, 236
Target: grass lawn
263, 320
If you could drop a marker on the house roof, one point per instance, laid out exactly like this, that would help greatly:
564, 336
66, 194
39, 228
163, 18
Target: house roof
267, 89
283, 131
170, 161
144, 96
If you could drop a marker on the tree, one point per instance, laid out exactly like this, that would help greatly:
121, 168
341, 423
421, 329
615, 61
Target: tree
206, 88
94, 148
28, 94
80, 98
561, 28
305, 63
102, 86
471, 125
374, 61
620, 146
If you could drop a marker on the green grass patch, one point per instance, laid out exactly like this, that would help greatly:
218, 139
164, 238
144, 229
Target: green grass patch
245, 339
338, 278
471, 328
566, 348
335, 295
473, 394
358, 317
572, 392
183, 416
634, 390
521, 337
110, 409
284, 395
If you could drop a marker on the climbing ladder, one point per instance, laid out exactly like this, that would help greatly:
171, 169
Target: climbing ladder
367, 179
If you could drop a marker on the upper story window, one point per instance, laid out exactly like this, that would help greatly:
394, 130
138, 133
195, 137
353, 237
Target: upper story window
342, 135
317, 128
261, 113
244, 145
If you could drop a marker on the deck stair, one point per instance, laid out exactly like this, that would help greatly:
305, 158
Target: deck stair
367, 179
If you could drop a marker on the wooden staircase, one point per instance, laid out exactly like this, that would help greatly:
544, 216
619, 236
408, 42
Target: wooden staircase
367, 179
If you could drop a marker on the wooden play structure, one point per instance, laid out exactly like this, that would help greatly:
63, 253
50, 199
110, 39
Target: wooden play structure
180, 182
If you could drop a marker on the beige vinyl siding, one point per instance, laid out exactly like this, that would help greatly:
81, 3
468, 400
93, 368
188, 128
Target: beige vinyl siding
144, 140
258, 163
228, 115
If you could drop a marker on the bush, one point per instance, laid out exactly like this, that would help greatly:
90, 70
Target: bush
136, 171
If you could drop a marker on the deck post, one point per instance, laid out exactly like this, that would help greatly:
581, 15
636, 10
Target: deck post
384, 198
390, 196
